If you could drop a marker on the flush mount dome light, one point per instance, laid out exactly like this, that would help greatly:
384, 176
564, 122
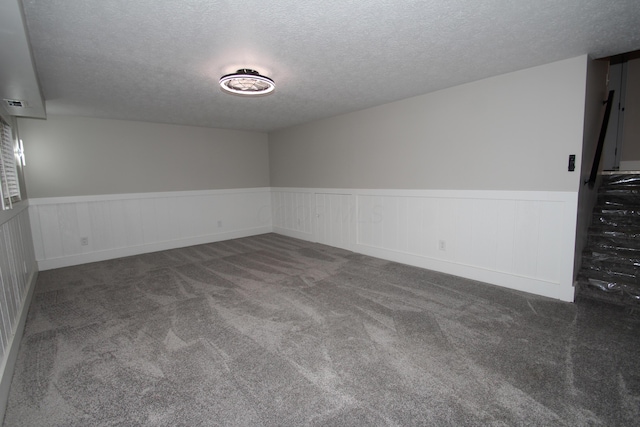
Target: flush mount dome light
247, 82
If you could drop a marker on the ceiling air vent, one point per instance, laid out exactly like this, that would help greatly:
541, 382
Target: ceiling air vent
16, 103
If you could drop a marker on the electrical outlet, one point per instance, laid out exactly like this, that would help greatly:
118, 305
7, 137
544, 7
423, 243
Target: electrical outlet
219, 224
84, 241
442, 245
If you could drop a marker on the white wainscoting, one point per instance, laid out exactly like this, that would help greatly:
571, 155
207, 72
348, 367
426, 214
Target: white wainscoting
128, 224
293, 212
18, 273
520, 240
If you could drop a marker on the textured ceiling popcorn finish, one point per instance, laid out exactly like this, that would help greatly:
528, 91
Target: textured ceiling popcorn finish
160, 61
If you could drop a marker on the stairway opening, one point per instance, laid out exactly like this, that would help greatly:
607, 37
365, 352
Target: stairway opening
610, 269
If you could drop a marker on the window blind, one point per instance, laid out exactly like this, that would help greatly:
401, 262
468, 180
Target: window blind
9, 186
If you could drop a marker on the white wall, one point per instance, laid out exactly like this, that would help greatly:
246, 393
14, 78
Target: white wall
79, 156
481, 167
510, 132
631, 131
132, 187
475, 165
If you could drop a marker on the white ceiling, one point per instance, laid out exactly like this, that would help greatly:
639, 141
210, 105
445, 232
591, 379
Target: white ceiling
160, 60
18, 80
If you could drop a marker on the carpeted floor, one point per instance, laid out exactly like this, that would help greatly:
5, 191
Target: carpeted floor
274, 331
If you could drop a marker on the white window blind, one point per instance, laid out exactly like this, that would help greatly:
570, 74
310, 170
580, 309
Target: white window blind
9, 186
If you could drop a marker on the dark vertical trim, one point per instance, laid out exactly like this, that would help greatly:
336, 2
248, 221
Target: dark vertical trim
603, 133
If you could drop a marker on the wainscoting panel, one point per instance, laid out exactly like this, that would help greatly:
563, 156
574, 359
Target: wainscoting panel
18, 273
75, 230
520, 240
334, 219
517, 236
293, 213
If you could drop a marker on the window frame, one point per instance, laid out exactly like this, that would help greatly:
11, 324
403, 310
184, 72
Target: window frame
9, 176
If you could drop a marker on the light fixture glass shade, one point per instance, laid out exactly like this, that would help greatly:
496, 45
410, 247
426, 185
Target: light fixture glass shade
247, 82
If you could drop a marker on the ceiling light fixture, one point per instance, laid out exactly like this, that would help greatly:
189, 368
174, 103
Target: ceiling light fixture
247, 82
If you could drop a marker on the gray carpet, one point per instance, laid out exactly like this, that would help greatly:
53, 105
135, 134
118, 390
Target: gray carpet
274, 331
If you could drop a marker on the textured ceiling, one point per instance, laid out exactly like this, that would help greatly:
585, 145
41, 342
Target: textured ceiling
160, 61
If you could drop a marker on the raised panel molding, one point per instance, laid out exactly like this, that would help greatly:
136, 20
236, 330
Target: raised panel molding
519, 240
129, 224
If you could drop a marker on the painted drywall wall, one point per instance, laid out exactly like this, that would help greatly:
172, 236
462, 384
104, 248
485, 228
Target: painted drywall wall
76, 156
509, 132
596, 93
631, 130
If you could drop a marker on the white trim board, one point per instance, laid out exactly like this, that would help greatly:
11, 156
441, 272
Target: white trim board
138, 196
519, 240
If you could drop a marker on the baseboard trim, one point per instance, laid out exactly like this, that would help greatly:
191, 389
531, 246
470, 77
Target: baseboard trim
49, 264
493, 277
506, 280
9, 362
294, 233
